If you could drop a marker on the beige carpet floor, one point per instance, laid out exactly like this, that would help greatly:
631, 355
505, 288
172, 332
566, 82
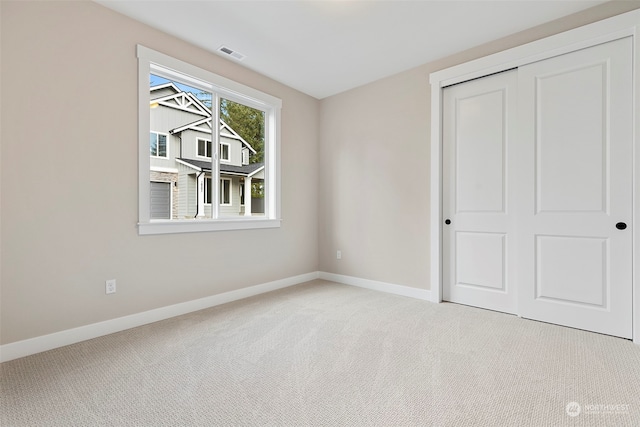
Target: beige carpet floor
330, 355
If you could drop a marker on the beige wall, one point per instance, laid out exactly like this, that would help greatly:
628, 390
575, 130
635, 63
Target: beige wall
374, 165
355, 171
70, 170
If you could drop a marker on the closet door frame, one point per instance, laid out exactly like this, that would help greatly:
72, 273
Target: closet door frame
617, 27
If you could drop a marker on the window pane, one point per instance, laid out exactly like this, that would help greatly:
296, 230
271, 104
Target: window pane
207, 190
242, 146
180, 126
224, 152
153, 144
162, 145
225, 191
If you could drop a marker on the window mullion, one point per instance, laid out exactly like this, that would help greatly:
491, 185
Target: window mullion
215, 157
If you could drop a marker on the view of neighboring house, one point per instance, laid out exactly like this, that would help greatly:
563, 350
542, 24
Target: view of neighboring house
180, 167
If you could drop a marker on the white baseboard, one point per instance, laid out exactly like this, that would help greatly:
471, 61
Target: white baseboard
35, 345
71, 336
378, 286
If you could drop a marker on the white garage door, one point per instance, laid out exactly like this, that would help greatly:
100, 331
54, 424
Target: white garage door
160, 200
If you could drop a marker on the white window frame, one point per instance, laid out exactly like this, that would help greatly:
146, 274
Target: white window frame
207, 143
222, 180
166, 135
228, 159
151, 61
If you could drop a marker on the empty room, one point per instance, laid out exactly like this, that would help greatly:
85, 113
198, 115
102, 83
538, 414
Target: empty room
309, 213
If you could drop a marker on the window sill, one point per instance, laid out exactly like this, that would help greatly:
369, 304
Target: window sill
198, 226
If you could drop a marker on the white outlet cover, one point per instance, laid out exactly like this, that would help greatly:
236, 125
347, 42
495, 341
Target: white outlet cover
110, 286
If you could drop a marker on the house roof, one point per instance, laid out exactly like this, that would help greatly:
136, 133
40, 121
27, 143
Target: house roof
205, 166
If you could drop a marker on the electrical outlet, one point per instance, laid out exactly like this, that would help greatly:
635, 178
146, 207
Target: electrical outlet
110, 286
339, 255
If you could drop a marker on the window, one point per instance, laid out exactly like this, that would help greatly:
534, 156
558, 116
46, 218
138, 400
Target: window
224, 152
199, 111
204, 148
207, 191
225, 192
158, 144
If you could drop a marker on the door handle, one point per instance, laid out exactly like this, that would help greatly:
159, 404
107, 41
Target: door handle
447, 221
621, 226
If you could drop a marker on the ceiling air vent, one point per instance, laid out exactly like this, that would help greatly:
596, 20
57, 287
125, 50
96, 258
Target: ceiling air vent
232, 53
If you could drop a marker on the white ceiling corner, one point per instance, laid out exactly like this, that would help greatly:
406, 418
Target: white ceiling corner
326, 47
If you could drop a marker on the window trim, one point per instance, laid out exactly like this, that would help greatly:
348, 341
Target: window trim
149, 61
222, 180
207, 143
228, 159
208, 180
166, 135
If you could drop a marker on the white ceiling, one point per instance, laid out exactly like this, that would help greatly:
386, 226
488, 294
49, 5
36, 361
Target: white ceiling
325, 47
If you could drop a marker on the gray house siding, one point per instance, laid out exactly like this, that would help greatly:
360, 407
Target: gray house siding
163, 120
235, 149
192, 194
187, 197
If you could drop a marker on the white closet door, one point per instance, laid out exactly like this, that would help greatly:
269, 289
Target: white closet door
575, 265
478, 247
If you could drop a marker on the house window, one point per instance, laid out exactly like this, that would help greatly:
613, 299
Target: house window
225, 192
207, 191
202, 111
224, 152
158, 144
204, 148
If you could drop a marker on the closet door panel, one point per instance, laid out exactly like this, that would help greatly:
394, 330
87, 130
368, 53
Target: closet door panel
571, 124
478, 240
575, 129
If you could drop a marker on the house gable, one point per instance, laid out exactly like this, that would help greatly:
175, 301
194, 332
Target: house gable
169, 95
